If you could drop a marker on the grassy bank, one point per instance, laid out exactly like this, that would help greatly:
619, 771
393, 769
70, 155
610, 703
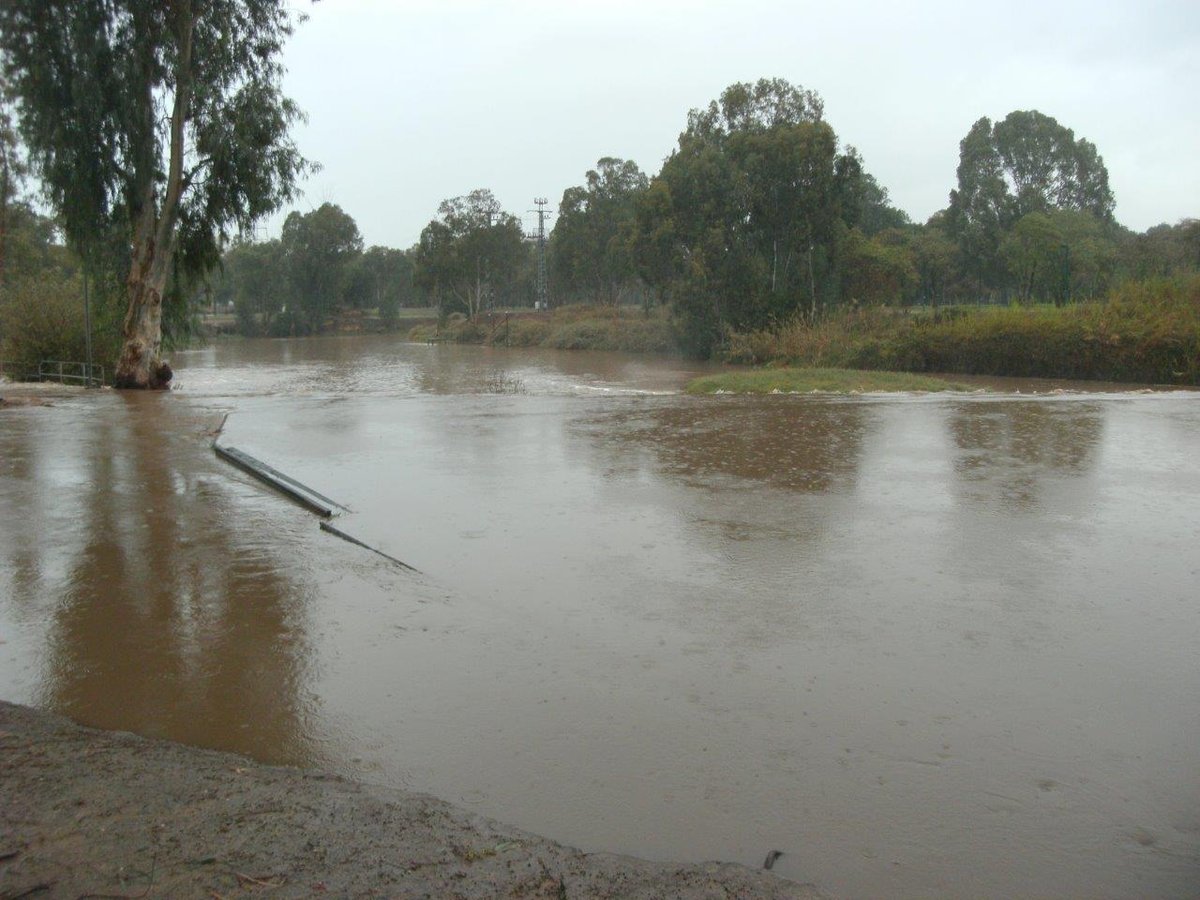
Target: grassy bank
567, 328
807, 381
1144, 332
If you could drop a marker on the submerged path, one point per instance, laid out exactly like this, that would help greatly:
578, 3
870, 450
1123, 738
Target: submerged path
109, 814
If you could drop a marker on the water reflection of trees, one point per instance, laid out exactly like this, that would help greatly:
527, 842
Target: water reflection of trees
1010, 450
177, 619
18, 533
743, 496
795, 443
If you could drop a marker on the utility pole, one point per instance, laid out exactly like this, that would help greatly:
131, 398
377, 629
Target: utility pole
543, 298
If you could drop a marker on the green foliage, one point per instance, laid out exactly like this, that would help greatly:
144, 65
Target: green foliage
41, 298
566, 328
41, 318
879, 269
387, 277
584, 328
163, 122
298, 284
762, 106
1059, 255
1143, 332
1027, 164
522, 332
13, 170
933, 257
101, 82
1031, 250
470, 251
318, 249
591, 247
1161, 251
258, 281
31, 247
745, 224
1047, 168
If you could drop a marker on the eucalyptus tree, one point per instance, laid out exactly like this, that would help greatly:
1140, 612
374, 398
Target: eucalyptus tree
1048, 168
1163, 250
257, 278
934, 258
319, 250
1026, 163
743, 224
1059, 255
12, 174
163, 119
472, 248
386, 275
592, 241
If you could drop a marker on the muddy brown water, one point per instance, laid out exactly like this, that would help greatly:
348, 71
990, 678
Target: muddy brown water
923, 645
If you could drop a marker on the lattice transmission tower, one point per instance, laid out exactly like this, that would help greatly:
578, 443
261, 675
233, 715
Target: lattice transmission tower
543, 290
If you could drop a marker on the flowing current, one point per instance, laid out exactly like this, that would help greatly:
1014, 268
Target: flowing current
924, 645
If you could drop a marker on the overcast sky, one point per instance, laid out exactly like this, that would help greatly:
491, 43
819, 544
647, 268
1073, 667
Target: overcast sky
413, 101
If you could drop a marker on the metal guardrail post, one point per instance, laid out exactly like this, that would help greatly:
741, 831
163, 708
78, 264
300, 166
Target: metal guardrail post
64, 371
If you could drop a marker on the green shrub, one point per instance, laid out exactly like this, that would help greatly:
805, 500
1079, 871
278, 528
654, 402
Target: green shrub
42, 318
653, 335
422, 333
567, 328
1143, 332
521, 332
582, 334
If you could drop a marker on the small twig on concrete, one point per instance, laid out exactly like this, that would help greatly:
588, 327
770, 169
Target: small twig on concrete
249, 879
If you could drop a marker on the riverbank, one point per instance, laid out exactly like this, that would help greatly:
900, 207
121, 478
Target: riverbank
94, 813
1144, 332
566, 328
818, 381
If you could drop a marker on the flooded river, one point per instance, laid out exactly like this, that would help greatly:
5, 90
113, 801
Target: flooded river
923, 645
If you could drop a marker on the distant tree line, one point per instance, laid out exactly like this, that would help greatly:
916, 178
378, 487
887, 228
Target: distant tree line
759, 216
296, 284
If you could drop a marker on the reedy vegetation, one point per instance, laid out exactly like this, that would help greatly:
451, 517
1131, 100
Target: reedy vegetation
565, 328
1145, 331
809, 380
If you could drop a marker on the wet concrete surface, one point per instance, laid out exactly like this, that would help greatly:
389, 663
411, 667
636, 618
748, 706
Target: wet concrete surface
108, 814
922, 644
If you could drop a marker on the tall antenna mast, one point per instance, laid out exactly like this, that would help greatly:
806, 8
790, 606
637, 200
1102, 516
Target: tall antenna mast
543, 294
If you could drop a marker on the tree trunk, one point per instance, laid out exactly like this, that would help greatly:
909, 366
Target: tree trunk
140, 365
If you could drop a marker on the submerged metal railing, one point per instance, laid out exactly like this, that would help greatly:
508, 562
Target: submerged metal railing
70, 372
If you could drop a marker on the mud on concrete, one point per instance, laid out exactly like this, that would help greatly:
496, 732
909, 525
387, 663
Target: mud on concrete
34, 393
87, 813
